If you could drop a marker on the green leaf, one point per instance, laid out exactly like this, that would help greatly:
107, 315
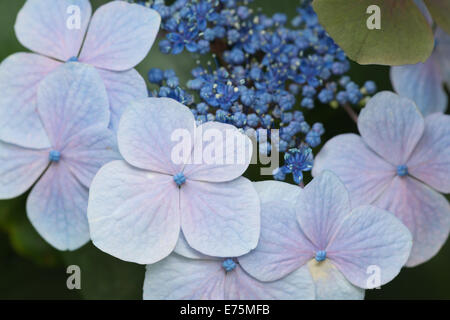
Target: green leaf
404, 36
440, 11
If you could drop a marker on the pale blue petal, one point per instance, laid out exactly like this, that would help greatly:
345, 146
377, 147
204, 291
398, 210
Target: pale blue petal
370, 237
57, 208
180, 278
221, 153
20, 75
220, 219
298, 285
330, 283
133, 214
46, 26
391, 125
430, 161
87, 151
365, 174
425, 212
421, 83
282, 247
146, 130
19, 169
322, 207
70, 100
120, 36
122, 88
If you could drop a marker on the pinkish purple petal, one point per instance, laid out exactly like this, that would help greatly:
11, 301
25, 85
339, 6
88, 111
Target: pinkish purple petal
148, 134
425, 212
220, 219
86, 152
370, 237
221, 153
133, 214
430, 161
20, 75
282, 247
298, 285
120, 35
71, 99
364, 173
53, 28
19, 169
391, 126
57, 208
321, 208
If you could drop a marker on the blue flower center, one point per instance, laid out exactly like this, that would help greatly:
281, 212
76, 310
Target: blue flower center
321, 255
179, 179
73, 59
229, 265
402, 170
54, 156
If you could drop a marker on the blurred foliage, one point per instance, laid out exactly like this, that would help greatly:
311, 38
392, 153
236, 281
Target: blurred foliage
30, 268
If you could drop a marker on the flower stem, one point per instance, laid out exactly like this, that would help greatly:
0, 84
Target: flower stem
352, 114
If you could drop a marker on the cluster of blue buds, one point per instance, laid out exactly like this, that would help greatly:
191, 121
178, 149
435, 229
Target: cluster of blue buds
267, 72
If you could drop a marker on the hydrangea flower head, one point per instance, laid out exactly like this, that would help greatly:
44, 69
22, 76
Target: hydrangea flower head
317, 227
191, 275
400, 163
116, 39
137, 207
73, 106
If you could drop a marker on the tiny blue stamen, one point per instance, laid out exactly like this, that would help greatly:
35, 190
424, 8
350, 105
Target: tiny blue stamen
179, 179
73, 59
54, 156
402, 170
229, 265
321, 255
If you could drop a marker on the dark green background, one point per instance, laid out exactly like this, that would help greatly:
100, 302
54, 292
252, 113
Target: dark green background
30, 268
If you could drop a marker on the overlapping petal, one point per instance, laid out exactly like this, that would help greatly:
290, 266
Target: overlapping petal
365, 174
86, 152
20, 75
331, 284
134, 214
53, 28
425, 212
150, 131
321, 208
70, 100
282, 246
298, 285
430, 161
220, 153
421, 83
19, 169
57, 208
391, 126
122, 88
120, 35
370, 237
442, 53
220, 219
